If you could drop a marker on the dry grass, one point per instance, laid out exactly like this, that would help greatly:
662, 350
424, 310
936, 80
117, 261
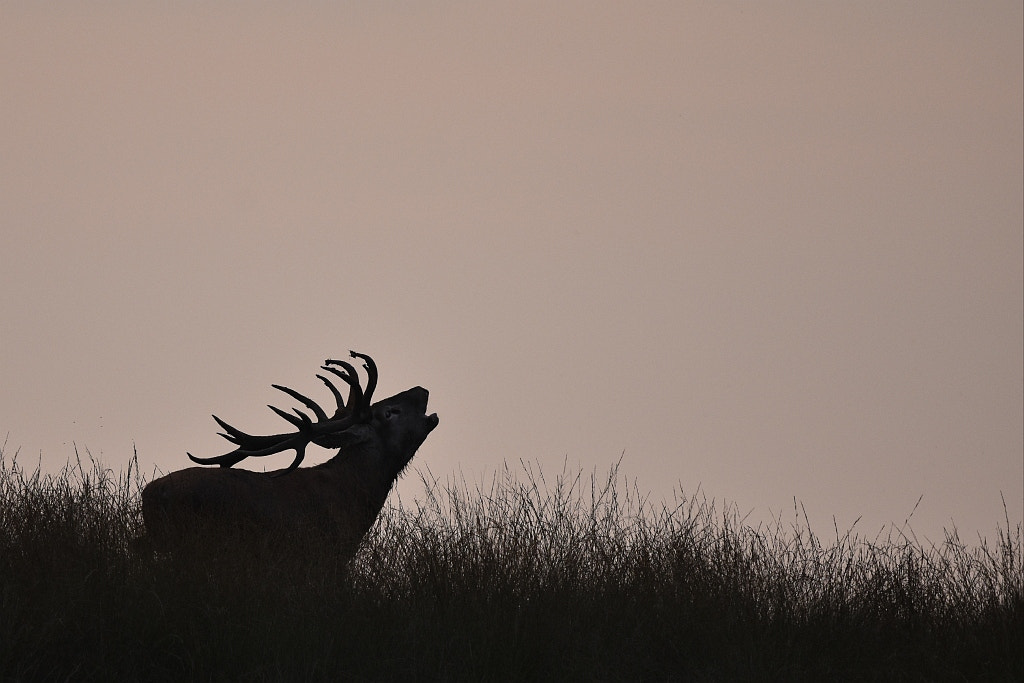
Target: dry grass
580, 577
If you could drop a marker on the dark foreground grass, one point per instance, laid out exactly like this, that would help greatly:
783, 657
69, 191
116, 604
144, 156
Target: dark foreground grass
579, 579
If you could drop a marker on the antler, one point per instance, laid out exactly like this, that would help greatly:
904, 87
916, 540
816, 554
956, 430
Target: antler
308, 431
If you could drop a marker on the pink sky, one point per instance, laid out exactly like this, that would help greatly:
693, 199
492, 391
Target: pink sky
771, 249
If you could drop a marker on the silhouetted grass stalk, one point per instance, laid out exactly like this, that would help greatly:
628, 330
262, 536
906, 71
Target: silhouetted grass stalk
522, 578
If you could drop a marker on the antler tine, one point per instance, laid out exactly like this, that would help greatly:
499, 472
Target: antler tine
337, 395
300, 453
232, 434
371, 375
306, 401
355, 395
226, 460
301, 421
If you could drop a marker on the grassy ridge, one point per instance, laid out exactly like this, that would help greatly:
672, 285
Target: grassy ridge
578, 578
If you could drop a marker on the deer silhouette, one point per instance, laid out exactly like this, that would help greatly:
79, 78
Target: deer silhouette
339, 500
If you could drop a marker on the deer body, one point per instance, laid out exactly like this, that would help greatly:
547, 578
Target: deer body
338, 500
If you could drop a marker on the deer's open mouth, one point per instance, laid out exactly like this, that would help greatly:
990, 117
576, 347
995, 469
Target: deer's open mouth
424, 397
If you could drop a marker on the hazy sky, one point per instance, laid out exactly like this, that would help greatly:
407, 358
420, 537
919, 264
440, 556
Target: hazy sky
773, 250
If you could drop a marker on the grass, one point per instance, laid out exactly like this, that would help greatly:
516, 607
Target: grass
579, 578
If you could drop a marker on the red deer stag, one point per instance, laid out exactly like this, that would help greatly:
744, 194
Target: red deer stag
339, 499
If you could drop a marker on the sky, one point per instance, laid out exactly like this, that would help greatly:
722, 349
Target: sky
768, 252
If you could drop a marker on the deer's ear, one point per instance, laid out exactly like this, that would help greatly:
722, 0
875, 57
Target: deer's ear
351, 436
